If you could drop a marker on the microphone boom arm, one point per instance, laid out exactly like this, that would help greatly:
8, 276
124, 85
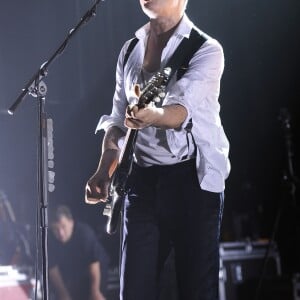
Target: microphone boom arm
43, 70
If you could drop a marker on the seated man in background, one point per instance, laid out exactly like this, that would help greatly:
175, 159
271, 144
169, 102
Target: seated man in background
76, 259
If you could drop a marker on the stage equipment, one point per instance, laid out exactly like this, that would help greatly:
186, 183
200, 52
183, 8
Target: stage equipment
15, 284
37, 88
296, 286
241, 264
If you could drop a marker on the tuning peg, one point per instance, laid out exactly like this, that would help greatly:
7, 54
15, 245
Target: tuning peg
162, 95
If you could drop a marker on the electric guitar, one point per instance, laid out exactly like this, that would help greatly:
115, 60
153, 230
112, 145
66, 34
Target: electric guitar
154, 91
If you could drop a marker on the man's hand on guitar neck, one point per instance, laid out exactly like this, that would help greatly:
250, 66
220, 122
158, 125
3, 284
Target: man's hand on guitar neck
141, 116
168, 116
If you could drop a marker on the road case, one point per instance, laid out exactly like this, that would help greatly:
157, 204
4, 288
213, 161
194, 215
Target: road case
241, 265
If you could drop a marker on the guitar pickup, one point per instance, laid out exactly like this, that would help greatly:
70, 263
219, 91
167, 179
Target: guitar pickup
107, 210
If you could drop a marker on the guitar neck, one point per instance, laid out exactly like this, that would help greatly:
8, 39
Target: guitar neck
153, 91
127, 151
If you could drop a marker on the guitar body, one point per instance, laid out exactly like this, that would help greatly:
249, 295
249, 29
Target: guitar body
113, 209
153, 92
118, 188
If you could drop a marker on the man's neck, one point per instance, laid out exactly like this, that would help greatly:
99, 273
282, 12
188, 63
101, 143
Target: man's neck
161, 30
164, 26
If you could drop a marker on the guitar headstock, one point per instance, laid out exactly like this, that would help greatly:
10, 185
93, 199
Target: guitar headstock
154, 91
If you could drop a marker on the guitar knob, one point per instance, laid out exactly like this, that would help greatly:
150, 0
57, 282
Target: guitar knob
107, 210
162, 95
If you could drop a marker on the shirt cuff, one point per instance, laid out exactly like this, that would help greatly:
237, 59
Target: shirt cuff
107, 121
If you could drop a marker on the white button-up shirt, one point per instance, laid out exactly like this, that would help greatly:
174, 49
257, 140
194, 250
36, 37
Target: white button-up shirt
197, 90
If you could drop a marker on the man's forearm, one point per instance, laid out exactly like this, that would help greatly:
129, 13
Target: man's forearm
110, 150
111, 138
95, 280
171, 116
167, 117
58, 283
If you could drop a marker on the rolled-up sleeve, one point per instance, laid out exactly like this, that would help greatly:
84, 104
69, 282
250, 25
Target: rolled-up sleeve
198, 89
116, 118
201, 81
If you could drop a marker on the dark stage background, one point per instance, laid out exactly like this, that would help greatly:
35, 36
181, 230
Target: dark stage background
262, 46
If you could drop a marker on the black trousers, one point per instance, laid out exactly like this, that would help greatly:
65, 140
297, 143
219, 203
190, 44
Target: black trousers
166, 209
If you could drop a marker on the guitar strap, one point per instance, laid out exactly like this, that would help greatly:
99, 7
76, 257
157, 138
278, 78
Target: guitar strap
180, 59
132, 44
179, 62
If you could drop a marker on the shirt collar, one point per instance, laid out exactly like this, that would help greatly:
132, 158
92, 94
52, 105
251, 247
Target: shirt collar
183, 30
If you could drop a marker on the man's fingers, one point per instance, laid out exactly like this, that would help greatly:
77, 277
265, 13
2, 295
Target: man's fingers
137, 90
133, 108
94, 195
128, 111
89, 197
90, 200
131, 111
133, 123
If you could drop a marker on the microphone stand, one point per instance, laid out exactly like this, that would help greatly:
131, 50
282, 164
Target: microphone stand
38, 89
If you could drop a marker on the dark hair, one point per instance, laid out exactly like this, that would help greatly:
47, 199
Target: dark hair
59, 211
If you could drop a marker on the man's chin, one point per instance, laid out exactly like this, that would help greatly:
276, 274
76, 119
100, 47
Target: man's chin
63, 241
